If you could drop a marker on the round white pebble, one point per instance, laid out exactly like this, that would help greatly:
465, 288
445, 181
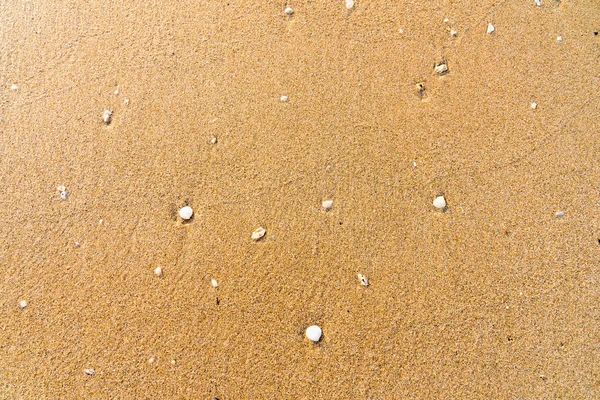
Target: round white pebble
289, 11
284, 99
439, 202
533, 106
186, 212
23, 304
559, 39
314, 333
349, 4
158, 271
258, 233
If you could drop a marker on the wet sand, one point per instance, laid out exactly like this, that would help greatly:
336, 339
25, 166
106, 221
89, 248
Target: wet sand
496, 297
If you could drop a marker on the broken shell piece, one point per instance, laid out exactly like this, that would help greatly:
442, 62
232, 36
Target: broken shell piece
213, 140
14, 87
23, 304
441, 69
89, 372
490, 28
533, 106
439, 202
284, 99
158, 271
107, 117
349, 4
327, 204
64, 195
363, 280
538, 3
258, 233
214, 283
560, 214
453, 33
61, 188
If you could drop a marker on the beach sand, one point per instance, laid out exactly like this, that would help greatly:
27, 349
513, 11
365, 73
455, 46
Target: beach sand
496, 297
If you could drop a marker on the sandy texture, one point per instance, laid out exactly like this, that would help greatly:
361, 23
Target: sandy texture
494, 298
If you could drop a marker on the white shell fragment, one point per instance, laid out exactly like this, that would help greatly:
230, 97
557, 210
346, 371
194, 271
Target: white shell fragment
284, 99
363, 280
214, 283
23, 304
327, 205
439, 202
89, 372
158, 271
559, 38
64, 195
107, 117
441, 69
14, 87
560, 214
490, 28
349, 4
213, 140
446, 20
453, 33
533, 106
289, 11
258, 233
314, 333
186, 212
538, 3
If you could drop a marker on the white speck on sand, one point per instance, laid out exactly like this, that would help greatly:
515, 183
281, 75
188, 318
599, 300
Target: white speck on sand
258, 233
327, 204
107, 117
289, 11
363, 280
214, 283
284, 99
158, 271
491, 28
349, 4
314, 333
23, 304
186, 212
439, 202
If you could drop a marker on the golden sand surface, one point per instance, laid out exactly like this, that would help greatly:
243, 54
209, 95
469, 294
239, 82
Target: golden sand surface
495, 298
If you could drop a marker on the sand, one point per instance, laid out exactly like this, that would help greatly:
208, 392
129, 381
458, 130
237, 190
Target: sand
494, 298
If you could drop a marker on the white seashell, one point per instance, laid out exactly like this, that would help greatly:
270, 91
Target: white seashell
214, 283
213, 140
289, 11
559, 39
538, 3
314, 333
14, 87
158, 271
453, 32
258, 233
363, 280
490, 28
23, 304
533, 106
61, 188
284, 99
186, 212
327, 204
560, 214
89, 372
349, 4
64, 195
439, 202
441, 69
107, 117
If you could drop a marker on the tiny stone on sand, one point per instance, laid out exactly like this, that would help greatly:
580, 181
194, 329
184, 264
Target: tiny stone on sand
327, 205
14, 87
64, 195
314, 333
89, 372
23, 304
349, 4
258, 233
363, 280
284, 99
453, 33
560, 214
490, 28
107, 117
158, 271
214, 283
439, 202
441, 69
538, 3
213, 140
289, 11
559, 39
186, 213
533, 106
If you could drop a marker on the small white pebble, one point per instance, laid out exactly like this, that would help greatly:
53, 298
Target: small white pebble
101, 221
77, 244
538, 3
214, 283
401, 30
349, 4
213, 140
172, 362
14, 87
453, 32
23, 304
559, 39
61, 188
314, 333
363, 280
107, 117
441, 69
439, 202
158, 271
533, 106
258, 233
64, 195
415, 164
560, 214
327, 204
284, 99
117, 92
289, 11
446, 20
186, 212
89, 372
490, 28
126, 101
151, 360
